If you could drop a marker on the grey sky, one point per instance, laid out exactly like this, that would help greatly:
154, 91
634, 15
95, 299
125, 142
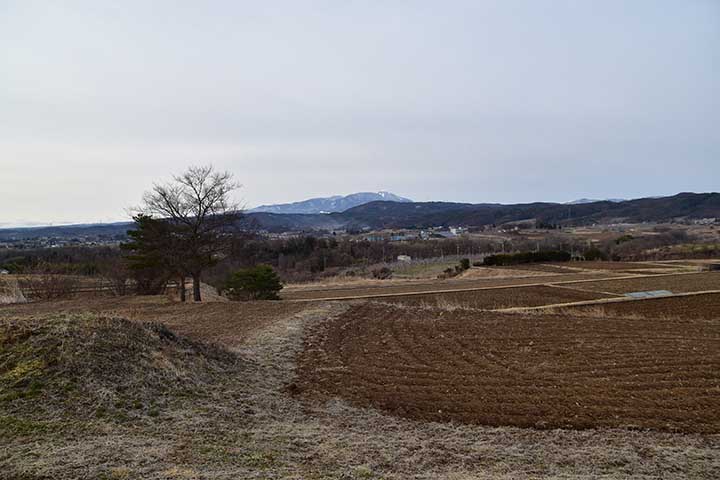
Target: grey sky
479, 101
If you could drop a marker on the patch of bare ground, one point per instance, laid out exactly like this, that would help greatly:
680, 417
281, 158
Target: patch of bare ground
228, 323
523, 371
705, 306
694, 282
441, 285
500, 298
253, 424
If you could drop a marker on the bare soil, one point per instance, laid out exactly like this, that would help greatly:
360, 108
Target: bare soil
229, 323
694, 282
705, 306
523, 371
499, 298
453, 284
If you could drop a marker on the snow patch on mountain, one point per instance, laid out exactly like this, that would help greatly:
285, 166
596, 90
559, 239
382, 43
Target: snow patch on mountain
335, 203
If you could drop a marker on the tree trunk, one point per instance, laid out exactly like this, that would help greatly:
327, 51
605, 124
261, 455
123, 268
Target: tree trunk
181, 287
196, 287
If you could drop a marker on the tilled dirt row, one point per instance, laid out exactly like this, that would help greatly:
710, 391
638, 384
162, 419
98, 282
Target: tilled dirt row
705, 306
525, 371
502, 298
694, 282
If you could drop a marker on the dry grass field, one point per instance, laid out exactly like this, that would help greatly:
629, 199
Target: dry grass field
438, 388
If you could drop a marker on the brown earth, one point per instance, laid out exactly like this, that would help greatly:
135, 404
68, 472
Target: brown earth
705, 306
525, 371
499, 298
694, 282
399, 289
229, 323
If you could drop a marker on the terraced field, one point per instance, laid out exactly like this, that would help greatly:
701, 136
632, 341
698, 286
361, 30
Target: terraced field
694, 282
705, 306
498, 298
437, 285
518, 370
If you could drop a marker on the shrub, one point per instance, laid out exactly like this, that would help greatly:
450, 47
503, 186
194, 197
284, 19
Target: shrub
595, 254
255, 283
382, 273
528, 257
465, 263
48, 286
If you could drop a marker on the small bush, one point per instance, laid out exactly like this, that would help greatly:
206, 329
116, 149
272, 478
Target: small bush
465, 263
255, 283
48, 286
527, 257
595, 254
382, 273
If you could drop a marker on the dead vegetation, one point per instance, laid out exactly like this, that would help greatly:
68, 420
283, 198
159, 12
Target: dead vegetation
73, 366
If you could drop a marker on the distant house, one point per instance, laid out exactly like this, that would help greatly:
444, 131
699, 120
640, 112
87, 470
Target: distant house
4, 272
404, 258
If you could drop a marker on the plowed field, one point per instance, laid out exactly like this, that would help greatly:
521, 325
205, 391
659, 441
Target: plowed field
501, 298
695, 306
526, 371
693, 282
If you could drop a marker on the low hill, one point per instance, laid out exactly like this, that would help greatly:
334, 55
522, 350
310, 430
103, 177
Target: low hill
73, 366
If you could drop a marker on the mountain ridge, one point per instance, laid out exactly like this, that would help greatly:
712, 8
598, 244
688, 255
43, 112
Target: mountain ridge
332, 204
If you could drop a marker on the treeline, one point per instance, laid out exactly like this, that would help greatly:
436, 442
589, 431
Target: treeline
306, 258
75, 260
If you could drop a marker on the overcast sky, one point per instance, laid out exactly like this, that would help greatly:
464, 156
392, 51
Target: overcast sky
476, 101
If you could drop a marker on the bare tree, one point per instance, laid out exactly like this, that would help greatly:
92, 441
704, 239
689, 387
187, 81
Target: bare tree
197, 205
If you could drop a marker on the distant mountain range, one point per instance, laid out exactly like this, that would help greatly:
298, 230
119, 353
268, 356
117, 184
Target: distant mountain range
396, 215
337, 203
592, 200
405, 214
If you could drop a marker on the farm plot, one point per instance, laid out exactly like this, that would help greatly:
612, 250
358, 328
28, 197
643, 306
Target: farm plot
437, 285
498, 298
695, 282
229, 323
614, 266
694, 306
526, 371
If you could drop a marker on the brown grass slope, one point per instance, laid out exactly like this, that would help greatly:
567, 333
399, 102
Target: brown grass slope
71, 366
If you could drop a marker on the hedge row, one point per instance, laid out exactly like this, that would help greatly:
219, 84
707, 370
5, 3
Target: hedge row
528, 257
